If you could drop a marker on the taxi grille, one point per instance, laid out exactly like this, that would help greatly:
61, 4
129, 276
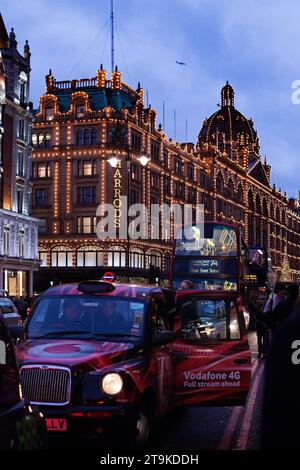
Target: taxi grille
47, 385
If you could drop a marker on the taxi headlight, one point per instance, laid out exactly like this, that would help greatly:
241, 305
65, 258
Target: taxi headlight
112, 383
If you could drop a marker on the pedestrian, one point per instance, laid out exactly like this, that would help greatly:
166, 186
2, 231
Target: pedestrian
274, 298
284, 308
262, 331
281, 405
186, 285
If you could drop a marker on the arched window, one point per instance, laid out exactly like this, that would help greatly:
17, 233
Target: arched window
230, 189
79, 137
258, 204
155, 259
89, 256
94, 135
61, 256
272, 210
265, 208
239, 194
220, 184
87, 137
137, 259
250, 200
116, 256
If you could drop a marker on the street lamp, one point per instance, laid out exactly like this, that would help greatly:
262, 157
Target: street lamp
114, 163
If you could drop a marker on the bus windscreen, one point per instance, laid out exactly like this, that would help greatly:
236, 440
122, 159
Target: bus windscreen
217, 240
207, 256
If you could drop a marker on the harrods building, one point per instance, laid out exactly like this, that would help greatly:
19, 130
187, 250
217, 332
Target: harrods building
81, 124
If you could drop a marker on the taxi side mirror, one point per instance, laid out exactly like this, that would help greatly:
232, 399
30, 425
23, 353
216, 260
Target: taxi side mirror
163, 337
16, 331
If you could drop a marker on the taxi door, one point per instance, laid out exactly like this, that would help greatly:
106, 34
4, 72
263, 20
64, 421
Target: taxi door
212, 358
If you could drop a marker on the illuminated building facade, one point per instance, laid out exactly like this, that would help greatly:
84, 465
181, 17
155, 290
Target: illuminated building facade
18, 230
74, 137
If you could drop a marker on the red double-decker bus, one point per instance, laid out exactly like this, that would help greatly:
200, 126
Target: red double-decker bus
213, 357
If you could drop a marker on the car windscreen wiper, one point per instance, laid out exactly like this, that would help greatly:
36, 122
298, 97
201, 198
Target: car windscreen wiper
61, 333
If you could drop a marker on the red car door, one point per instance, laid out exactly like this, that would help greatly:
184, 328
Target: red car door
212, 358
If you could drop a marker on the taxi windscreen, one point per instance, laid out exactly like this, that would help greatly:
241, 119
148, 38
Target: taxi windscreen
90, 317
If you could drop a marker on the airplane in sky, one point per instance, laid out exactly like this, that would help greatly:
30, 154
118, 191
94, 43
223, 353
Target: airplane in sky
180, 63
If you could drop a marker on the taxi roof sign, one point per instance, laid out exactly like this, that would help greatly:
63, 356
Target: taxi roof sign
109, 277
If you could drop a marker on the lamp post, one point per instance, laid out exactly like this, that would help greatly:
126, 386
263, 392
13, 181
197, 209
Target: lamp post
114, 162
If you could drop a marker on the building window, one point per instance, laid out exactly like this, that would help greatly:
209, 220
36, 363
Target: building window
41, 140
41, 197
47, 140
94, 136
49, 113
86, 224
41, 170
22, 92
21, 133
34, 140
86, 167
136, 141
89, 256
191, 172
178, 166
179, 190
155, 151
167, 185
134, 196
43, 257
80, 111
20, 195
154, 180
137, 259
135, 172
116, 257
155, 259
42, 226
21, 243
6, 238
87, 137
165, 159
86, 195
61, 257
20, 165
79, 137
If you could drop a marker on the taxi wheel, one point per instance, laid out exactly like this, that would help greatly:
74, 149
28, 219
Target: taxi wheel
144, 423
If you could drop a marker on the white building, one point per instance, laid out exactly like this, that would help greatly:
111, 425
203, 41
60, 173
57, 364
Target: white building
18, 231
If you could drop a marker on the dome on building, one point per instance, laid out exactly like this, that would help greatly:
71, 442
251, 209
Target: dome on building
227, 127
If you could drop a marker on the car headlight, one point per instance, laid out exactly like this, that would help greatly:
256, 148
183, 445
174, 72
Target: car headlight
112, 383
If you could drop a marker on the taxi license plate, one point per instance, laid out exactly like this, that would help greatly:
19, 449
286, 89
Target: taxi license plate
56, 424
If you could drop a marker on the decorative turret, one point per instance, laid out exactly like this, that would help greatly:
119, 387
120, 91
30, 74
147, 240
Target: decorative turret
27, 53
227, 95
12, 43
49, 81
267, 168
116, 79
101, 77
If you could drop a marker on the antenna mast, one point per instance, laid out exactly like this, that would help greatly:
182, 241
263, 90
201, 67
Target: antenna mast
112, 35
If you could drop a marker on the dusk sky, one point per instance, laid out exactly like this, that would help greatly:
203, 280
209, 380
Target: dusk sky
254, 45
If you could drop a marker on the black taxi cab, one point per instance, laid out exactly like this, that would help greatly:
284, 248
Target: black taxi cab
96, 359
106, 361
